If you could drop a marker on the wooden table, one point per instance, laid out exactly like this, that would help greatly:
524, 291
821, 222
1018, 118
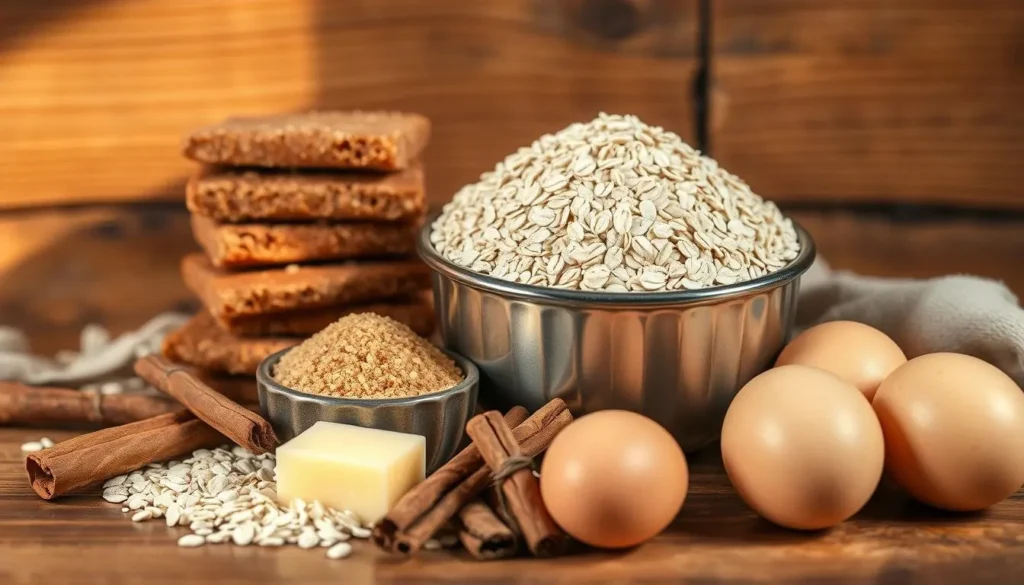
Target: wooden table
68, 268
716, 539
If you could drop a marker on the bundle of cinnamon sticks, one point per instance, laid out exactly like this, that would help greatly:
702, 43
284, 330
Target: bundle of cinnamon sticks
147, 429
494, 504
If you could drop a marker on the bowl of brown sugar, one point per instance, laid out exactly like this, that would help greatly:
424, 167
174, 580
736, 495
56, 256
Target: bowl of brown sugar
371, 371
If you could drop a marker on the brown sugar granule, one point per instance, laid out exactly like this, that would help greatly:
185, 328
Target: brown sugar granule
367, 356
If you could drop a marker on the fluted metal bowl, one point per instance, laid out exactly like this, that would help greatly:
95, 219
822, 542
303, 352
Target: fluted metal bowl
440, 417
677, 357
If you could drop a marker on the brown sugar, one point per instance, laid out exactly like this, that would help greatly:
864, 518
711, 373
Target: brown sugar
367, 356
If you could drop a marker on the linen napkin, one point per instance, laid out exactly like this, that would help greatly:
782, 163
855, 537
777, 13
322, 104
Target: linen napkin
99, 358
963, 314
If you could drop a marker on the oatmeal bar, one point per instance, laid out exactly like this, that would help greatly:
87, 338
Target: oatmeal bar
416, 311
340, 140
253, 244
238, 195
201, 343
257, 292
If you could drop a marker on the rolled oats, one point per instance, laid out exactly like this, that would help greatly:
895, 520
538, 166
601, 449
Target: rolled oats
226, 495
598, 206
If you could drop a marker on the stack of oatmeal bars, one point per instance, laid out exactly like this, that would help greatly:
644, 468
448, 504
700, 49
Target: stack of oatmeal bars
303, 218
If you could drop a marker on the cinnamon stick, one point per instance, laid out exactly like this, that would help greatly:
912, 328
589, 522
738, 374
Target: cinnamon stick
514, 475
534, 435
93, 457
23, 405
428, 492
483, 534
235, 421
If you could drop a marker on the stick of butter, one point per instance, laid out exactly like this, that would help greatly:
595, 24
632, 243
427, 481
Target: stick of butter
350, 468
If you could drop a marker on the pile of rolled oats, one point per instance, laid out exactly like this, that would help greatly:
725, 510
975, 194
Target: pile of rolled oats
614, 205
229, 495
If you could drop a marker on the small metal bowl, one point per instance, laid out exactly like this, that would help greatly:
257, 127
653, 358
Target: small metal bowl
439, 417
678, 357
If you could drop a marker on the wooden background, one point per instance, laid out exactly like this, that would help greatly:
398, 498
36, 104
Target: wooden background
863, 117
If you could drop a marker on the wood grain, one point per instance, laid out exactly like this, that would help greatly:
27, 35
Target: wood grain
61, 270
716, 539
874, 244
871, 100
96, 99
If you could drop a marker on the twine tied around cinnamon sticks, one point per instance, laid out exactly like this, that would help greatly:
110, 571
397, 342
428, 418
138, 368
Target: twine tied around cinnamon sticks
487, 529
510, 466
456, 488
497, 493
512, 473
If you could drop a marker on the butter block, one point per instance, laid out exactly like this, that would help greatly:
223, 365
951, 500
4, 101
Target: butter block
350, 468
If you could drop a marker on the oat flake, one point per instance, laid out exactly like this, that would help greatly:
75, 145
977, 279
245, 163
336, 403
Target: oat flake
613, 205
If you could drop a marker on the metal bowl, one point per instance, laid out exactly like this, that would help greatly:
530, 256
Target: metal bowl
677, 357
439, 417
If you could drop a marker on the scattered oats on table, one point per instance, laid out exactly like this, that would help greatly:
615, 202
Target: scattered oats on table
35, 446
229, 495
613, 205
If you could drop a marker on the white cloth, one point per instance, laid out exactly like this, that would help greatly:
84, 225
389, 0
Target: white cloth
99, 357
961, 314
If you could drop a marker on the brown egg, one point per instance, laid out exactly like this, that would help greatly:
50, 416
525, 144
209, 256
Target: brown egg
614, 479
954, 431
802, 447
857, 353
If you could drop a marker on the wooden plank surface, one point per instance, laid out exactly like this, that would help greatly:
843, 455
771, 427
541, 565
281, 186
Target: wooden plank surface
871, 100
716, 539
97, 95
